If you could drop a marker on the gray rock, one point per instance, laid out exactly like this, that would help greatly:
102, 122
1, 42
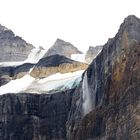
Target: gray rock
11, 73
12, 48
62, 48
92, 52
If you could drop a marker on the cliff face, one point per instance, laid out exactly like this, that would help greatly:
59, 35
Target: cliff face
105, 105
34, 117
12, 48
62, 48
13, 72
109, 106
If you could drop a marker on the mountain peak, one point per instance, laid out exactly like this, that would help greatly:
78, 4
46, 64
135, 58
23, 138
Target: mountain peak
131, 19
62, 47
129, 22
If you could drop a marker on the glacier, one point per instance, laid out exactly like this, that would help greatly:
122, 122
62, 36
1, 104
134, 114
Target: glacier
56, 82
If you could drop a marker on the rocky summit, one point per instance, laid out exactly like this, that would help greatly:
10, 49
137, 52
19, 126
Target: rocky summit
12, 48
62, 48
105, 105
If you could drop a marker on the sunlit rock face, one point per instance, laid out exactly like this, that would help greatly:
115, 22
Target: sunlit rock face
113, 79
92, 53
61, 47
56, 64
12, 48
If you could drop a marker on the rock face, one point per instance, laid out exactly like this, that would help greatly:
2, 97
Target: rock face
11, 73
62, 48
92, 53
56, 64
34, 117
12, 48
112, 91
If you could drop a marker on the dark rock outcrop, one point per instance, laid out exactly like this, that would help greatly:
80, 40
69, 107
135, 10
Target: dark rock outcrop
113, 91
12, 48
34, 117
62, 48
56, 64
13, 72
92, 52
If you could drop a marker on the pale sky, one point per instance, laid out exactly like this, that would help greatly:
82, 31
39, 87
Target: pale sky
84, 23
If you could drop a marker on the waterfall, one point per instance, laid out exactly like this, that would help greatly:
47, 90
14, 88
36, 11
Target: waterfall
86, 96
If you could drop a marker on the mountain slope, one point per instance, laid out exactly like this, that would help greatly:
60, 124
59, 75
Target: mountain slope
109, 103
62, 48
13, 48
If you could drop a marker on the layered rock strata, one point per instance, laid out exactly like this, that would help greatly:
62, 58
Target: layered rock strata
56, 64
13, 48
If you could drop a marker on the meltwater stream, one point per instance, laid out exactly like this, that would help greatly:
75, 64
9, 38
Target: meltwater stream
87, 102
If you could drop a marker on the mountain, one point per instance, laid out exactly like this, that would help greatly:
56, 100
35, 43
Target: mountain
109, 102
104, 105
13, 48
62, 48
92, 52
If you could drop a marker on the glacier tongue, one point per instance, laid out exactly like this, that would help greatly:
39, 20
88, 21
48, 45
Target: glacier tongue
56, 82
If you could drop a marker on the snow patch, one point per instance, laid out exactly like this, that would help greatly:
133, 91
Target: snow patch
56, 82
78, 57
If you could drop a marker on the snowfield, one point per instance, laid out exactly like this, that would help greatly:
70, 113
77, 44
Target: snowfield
57, 82
78, 57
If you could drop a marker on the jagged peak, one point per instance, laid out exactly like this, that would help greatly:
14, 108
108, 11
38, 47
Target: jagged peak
131, 19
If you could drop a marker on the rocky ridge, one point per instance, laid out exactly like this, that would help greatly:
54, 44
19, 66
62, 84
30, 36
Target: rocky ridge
61, 47
12, 48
